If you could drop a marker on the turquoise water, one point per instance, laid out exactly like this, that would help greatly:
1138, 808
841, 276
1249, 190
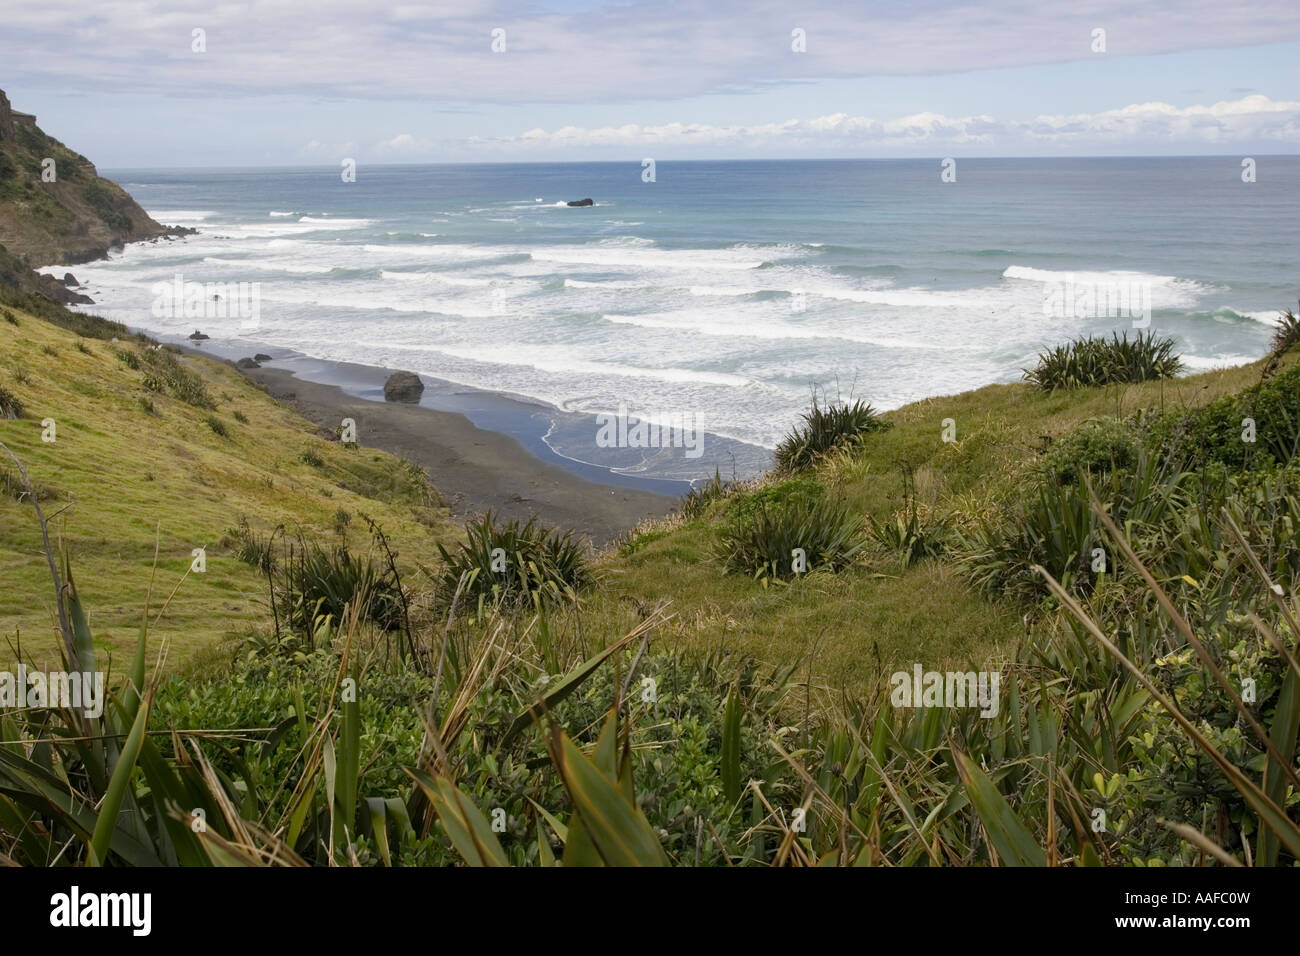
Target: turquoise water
726, 291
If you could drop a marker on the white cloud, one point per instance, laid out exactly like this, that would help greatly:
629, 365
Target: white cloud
637, 50
403, 144
1252, 118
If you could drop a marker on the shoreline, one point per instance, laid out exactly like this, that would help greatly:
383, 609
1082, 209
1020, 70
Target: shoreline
473, 469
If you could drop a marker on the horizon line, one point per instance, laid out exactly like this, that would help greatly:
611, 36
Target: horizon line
752, 159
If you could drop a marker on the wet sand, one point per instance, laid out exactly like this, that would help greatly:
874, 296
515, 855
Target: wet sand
475, 470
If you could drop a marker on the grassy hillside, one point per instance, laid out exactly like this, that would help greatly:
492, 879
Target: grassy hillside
1118, 561
139, 462
854, 627
123, 472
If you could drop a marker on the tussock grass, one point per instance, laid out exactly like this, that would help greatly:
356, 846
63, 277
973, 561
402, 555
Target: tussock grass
825, 429
1090, 362
512, 564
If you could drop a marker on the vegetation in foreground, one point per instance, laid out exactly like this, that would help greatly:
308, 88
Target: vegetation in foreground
1148, 712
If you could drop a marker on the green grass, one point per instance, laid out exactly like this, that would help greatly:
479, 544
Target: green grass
619, 725
274, 470
131, 477
873, 610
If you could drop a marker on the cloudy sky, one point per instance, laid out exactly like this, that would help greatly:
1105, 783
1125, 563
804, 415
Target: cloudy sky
288, 82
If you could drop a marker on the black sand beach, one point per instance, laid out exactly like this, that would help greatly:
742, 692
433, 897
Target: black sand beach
474, 469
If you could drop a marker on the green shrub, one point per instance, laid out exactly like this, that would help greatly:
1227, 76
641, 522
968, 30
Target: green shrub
825, 429
146, 405
1092, 361
217, 426
1287, 335
910, 538
514, 564
1051, 524
253, 549
325, 581
82, 348
795, 492
312, 457
10, 406
697, 500
128, 358
240, 417
1216, 431
761, 538
184, 384
633, 541
1096, 446
8, 316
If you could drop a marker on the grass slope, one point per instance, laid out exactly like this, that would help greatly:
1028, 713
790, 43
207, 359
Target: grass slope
121, 480
127, 472
873, 618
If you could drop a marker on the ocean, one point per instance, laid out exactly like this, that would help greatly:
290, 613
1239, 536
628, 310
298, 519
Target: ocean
724, 294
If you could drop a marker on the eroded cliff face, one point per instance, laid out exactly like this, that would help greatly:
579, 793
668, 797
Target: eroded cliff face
54, 206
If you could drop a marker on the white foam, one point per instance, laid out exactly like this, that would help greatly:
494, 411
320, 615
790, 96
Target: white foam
668, 259
553, 359
181, 215
1268, 317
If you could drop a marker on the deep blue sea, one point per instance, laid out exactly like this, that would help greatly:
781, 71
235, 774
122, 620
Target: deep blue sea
728, 291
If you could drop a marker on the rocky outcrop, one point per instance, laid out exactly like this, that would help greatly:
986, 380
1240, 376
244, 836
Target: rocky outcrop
61, 292
580, 202
54, 206
403, 387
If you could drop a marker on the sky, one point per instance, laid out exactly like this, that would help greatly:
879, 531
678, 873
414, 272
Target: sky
138, 83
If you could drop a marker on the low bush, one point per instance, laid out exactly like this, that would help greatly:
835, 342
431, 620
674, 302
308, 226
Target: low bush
513, 565
1096, 446
823, 430
217, 425
764, 537
697, 500
325, 582
10, 406
1220, 431
1286, 336
1092, 361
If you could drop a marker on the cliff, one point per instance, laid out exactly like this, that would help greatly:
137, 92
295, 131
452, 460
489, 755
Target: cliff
54, 206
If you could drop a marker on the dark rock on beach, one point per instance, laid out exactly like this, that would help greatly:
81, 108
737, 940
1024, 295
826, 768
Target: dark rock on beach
61, 291
581, 202
197, 336
261, 357
247, 363
403, 387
